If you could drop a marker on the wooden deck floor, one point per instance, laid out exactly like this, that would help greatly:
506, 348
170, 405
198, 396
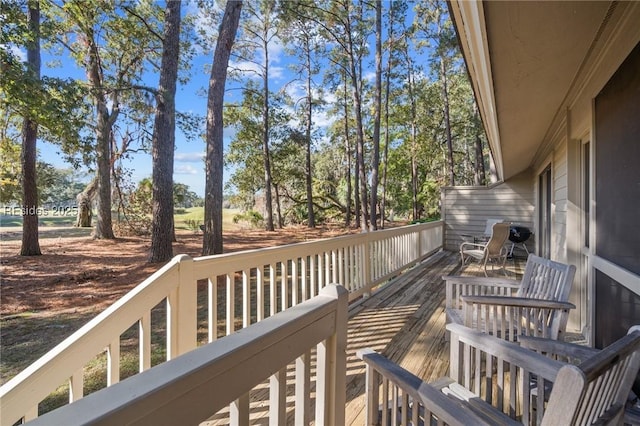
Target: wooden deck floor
404, 320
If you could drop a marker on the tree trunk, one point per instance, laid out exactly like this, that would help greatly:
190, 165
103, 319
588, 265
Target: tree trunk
447, 121
278, 209
347, 142
387, 90
308, 172
30, 241
376, 119
84, 199
360, 166
414, 136
266, 155
480, 175
103, 129
212, 238
162, 229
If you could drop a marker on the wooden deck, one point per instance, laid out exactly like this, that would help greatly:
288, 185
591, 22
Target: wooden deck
404, 320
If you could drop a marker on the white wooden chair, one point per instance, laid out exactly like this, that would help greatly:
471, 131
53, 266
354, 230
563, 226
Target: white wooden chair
492, 250
537, 306
489, 384
571, 353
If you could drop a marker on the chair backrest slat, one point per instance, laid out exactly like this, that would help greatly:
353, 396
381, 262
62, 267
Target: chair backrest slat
595, 391
499, 236
546, 279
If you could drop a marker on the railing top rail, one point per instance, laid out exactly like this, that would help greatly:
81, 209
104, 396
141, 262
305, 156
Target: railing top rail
264, 256
333, 242
187, 389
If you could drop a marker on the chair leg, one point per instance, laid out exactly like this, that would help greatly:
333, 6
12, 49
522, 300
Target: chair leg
504, 266
485, 266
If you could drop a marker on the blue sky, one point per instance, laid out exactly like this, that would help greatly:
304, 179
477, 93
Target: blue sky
191, 97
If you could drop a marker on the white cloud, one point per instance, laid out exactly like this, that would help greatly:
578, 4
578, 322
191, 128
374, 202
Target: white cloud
369, 76
189, 157
187, 169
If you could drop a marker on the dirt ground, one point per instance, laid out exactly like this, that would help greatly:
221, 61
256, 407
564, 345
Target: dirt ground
45, 298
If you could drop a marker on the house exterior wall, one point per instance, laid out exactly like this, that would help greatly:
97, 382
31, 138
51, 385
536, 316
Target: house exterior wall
596, 287
465, 210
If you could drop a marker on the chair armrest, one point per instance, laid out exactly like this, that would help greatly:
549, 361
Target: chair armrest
481, 281
480, 246
507, 351
447, 409
523, 302
556, 348
457, 286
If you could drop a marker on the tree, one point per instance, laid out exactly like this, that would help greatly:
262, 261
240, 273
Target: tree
439, 33
30, 243
162, 227
303, 34
376, 120
112, 41
212, 238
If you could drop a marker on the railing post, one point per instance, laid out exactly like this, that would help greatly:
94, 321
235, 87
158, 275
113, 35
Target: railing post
372, 388
332, 364
188, 300
182, 322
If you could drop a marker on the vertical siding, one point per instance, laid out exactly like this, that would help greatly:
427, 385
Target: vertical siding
559, 204
465, 210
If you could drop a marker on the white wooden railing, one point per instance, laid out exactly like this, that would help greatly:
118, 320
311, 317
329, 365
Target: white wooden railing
206, 298
195, 386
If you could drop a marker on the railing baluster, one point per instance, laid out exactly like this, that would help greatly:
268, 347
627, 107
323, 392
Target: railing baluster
278, 398
312, 275
303, 275
303, 389
239, 411
76, 385
334, 266
172, 324
246, 298
385, 401
212, 308
113, 362
341, 279
144, 342
295, 292
284, 288
231, 305
272, 289
260, 293
327, 268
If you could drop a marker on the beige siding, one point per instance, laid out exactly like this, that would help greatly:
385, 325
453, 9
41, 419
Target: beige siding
466, 209
559, 213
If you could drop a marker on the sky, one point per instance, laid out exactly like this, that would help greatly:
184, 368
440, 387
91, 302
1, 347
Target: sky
191, 97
